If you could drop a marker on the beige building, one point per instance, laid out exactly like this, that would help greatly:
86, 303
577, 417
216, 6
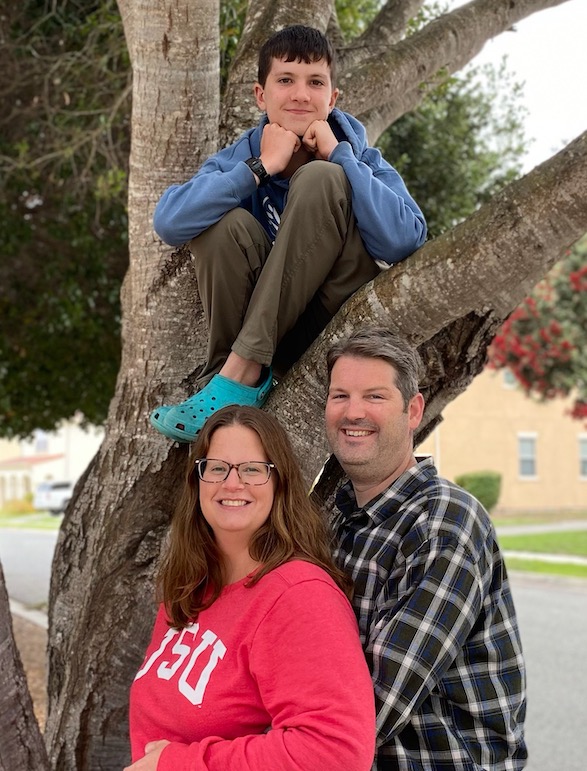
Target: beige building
60, 455
539, 450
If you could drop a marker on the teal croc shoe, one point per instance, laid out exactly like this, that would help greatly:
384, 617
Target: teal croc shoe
183, 422
157, 420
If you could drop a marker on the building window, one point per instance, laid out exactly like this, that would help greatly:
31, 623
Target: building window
527, 456
12, 488
41, 442
583, 457
509, 379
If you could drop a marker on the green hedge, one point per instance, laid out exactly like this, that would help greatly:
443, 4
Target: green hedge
484, 485
18, 506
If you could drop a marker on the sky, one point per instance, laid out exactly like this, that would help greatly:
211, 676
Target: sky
547, 52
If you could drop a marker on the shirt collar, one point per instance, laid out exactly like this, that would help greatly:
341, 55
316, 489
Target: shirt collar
391, 499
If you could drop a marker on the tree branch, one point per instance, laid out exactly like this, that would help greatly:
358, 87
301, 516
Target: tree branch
378, 119
441, 48
462, 284
387, 28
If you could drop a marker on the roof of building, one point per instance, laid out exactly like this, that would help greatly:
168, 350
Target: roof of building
23, 461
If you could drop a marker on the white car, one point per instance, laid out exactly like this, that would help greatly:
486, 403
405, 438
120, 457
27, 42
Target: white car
52, 496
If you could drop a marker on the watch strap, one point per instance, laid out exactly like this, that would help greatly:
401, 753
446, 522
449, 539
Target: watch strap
257, 168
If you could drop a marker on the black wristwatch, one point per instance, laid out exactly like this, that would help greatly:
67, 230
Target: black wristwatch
257, 168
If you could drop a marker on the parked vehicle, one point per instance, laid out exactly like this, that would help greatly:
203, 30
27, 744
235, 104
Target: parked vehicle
52, 496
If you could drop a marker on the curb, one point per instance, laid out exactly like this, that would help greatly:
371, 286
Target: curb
559, 559
34, 616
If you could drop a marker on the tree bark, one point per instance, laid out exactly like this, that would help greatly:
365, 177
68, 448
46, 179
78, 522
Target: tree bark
448, 298
21, 745
101, 600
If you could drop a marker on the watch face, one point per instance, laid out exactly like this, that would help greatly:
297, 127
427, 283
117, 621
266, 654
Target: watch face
257, 167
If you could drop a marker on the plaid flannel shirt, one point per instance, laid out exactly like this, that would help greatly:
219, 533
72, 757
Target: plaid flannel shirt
437, 624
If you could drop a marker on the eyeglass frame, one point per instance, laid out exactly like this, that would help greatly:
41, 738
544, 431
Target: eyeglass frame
270, 467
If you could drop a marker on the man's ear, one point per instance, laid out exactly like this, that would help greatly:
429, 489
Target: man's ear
259, 93
415, 411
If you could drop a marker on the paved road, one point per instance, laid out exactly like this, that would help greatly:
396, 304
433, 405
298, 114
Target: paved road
552, 614
553, 620
26, 557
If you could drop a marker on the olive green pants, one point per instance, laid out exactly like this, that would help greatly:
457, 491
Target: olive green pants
268, 302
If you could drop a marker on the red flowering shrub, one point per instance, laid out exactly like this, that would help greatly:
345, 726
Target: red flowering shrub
543, 342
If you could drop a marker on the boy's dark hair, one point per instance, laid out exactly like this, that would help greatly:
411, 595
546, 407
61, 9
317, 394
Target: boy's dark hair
296, 43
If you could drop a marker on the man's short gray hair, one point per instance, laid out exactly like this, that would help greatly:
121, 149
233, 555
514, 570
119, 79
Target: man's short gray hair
382, 343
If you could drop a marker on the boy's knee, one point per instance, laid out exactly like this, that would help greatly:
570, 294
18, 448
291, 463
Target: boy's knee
233, 221
320, 178
237, 226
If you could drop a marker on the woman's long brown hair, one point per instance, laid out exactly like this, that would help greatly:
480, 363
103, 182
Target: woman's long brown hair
191, 576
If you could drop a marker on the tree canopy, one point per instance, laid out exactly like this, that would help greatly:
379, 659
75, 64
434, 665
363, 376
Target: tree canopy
65, 109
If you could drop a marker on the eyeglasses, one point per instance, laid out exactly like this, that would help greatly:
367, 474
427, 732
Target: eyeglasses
250, 472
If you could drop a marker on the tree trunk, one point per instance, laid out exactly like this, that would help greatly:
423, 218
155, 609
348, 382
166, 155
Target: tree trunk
101, 601
448, 298
21, 746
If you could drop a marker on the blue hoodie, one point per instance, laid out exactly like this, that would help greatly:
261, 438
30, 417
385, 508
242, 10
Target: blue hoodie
389, 220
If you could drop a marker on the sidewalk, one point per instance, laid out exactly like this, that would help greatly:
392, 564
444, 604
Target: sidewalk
31, 641
561, 559
551, 527
570, 525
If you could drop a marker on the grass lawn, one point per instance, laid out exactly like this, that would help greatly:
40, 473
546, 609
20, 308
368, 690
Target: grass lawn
36, 520
567, 570
565, 542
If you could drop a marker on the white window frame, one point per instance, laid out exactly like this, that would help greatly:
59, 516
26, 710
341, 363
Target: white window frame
533, 436
582, 452
41, 439
508, 379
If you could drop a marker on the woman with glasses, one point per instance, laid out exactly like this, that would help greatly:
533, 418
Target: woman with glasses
255, 662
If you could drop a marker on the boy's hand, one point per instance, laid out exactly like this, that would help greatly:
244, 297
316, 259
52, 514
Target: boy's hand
319, 139
277, 147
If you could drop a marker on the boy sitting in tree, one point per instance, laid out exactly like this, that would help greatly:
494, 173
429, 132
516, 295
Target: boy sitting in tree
284, 225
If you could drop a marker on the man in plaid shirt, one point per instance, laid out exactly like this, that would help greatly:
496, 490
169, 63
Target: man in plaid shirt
432, 596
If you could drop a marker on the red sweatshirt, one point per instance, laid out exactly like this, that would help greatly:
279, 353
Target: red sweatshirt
282, 655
